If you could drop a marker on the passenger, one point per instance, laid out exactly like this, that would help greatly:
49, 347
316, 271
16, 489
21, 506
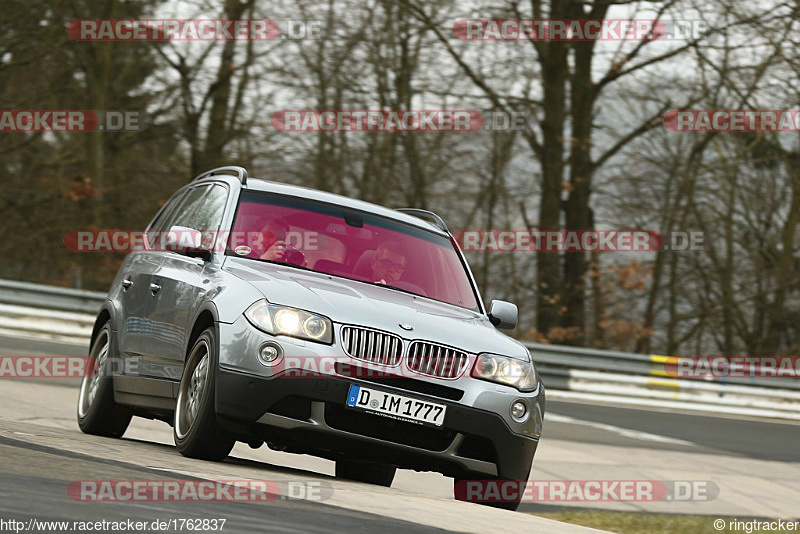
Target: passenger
389, 263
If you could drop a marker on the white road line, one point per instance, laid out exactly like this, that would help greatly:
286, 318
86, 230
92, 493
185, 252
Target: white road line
635, 434
662, 405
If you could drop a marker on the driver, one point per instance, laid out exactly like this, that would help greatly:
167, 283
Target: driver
389, 263
274, 233
275, 247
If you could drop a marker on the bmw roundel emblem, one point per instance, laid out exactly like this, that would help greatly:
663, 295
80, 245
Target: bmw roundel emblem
407, 327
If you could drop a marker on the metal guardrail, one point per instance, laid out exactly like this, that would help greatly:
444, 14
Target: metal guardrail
593, 375
556, 361
586, 374
50, 297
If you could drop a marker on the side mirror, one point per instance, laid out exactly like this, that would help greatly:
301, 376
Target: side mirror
503, 314
187, 241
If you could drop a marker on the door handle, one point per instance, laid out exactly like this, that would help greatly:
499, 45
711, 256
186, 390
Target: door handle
154, 288
127, 283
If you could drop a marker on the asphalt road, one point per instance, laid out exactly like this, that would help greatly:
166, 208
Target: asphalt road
765, 440
33, 482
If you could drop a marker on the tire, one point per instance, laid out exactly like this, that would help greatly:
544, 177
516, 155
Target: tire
98, 414
368, 472
196, 432
458, 492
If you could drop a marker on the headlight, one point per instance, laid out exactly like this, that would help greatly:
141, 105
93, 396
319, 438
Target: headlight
505, 370
276, 319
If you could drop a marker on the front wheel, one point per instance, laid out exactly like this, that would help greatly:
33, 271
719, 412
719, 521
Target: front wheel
196, 432
368, 472
98, 414
488, 491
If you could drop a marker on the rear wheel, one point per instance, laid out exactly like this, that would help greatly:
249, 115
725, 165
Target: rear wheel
368, 472
98, 414
196, 431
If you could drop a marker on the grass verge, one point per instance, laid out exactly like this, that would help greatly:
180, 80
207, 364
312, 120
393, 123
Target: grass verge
636, 523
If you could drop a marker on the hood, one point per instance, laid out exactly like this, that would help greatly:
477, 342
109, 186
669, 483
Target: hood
351, 302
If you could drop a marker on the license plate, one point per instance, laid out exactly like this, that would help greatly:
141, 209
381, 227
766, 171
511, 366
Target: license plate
394, 406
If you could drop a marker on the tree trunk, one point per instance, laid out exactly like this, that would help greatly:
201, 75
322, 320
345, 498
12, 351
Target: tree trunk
554, 74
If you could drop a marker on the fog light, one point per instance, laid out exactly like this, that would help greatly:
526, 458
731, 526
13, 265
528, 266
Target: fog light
519, 410
269, 352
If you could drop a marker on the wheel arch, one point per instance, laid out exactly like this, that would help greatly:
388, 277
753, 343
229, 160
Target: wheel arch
206, 317
106, 314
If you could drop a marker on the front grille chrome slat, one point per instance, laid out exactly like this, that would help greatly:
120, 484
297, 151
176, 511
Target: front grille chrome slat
440, 358
372, 346
436, 360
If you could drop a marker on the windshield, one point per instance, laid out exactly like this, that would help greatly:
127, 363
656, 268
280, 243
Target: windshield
338, 241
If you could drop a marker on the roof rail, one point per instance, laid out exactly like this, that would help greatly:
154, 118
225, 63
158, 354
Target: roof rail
240, 173
425, 214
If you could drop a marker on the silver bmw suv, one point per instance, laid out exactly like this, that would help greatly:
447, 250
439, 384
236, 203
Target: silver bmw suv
267, 313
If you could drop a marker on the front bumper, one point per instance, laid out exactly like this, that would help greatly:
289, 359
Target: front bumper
307, 415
